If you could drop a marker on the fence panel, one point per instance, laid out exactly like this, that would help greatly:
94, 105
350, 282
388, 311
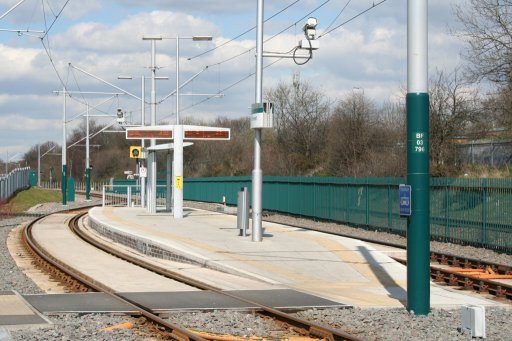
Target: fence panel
467, 211
16, 180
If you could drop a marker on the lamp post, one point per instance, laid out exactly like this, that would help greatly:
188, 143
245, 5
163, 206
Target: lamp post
178, 135
87, 159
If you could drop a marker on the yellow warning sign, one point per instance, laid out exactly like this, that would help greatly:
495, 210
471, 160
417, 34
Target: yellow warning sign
179, 182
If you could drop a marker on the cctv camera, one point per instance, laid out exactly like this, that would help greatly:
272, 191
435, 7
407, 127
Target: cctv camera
311, 23
310, 28
120, 116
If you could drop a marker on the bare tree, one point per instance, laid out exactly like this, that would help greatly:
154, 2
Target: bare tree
453, 112
222, 158
488, 31
300, 114
50, 159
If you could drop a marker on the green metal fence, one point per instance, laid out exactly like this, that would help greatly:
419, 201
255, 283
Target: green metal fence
465, 211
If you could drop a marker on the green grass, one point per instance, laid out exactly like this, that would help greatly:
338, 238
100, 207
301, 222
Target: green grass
31, 197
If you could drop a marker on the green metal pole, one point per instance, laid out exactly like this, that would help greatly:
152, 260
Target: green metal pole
418, 228
88, 183
417, 105
64, 184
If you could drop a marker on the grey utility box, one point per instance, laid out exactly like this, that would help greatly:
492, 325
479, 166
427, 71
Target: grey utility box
242, 214
473, 321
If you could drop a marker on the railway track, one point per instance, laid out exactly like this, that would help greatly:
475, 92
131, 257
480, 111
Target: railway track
80, 283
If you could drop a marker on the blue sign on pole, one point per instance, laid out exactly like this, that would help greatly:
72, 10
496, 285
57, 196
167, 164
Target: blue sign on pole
405, 200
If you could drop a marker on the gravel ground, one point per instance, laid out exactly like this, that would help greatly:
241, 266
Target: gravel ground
370, 324
65, 327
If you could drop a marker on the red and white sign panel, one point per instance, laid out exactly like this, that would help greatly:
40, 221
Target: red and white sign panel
206, 133
163, 132
149, 134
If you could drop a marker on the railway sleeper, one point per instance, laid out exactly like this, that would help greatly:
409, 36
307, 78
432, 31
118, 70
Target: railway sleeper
438, 277
501, 292
179, 336
468, 283
453, 280
321, 333
483, 287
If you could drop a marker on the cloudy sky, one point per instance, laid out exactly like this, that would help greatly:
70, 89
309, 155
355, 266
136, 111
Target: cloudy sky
104, 38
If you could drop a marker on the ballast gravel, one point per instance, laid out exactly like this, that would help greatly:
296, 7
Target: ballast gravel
369, 324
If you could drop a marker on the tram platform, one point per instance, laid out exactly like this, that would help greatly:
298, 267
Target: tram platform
336, 268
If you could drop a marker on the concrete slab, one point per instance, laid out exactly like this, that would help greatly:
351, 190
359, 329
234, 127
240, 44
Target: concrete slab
16, 312
340, 269
167, 301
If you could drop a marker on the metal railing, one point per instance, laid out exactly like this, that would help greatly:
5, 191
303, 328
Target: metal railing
79, 185
16, 180
464, 211
130, 196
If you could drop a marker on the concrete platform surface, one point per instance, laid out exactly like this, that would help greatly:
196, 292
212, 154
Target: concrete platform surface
336, 268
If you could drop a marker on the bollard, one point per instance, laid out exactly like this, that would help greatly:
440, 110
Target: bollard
242, 214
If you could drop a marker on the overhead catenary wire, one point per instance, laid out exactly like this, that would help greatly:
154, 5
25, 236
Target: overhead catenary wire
240, 54
374, 5
55, 19
230, 86
338, 15
275, 35
352, 18
56, 16
47, 48
245, 32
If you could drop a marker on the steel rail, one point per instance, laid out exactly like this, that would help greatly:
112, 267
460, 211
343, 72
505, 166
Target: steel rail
467, 281
310, 327
177, 332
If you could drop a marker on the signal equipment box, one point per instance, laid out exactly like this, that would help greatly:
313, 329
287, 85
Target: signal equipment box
262, 115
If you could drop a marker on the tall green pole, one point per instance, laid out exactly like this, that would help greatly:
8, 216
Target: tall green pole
64, 186
417, 105
87, 159
88, 183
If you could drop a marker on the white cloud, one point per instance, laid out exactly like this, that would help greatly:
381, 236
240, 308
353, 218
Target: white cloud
22, 125
369, 52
